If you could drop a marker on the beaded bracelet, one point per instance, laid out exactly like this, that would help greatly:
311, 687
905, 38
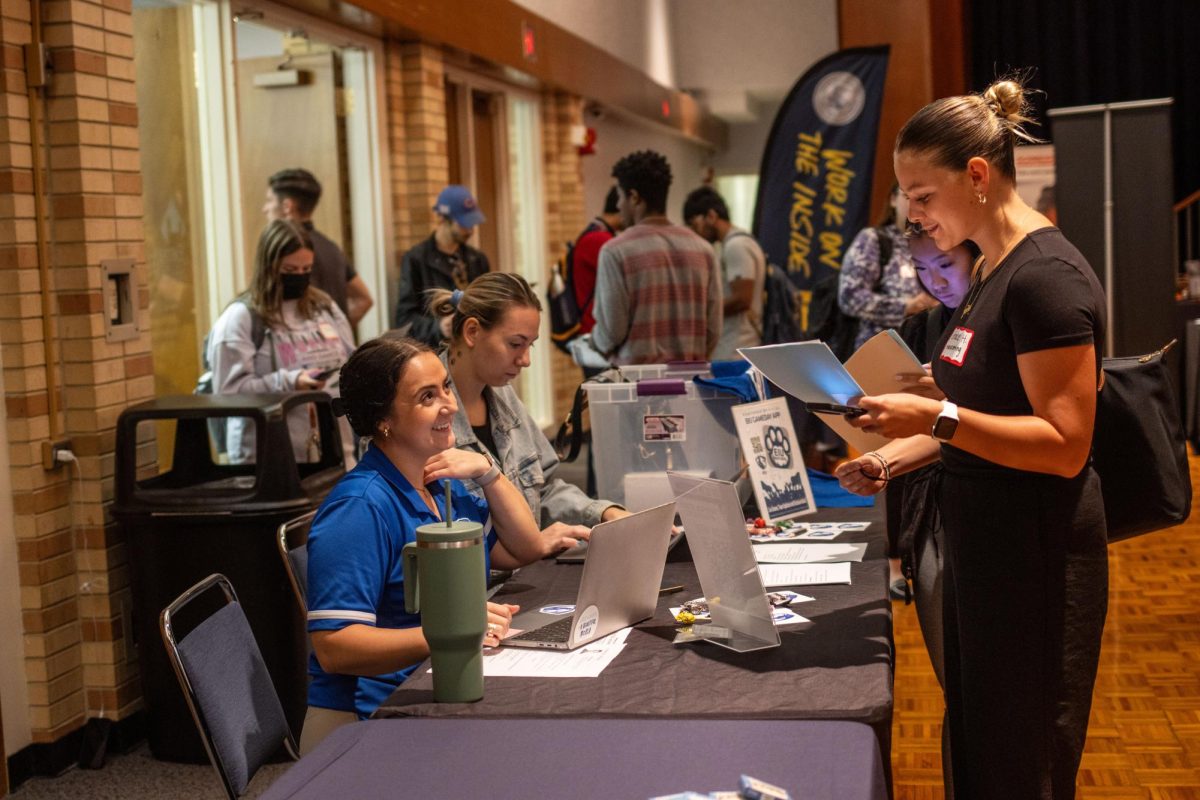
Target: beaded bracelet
884, 466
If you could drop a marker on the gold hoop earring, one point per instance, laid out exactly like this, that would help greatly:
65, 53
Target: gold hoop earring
982, 198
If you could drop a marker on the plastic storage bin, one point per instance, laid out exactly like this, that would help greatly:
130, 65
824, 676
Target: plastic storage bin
659, 420
201, 516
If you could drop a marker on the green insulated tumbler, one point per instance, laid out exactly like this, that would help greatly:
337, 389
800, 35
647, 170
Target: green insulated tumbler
445, 581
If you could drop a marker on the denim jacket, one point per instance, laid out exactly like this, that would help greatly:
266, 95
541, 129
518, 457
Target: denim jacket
526, 458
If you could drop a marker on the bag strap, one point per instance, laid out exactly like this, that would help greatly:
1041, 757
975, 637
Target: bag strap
569, 438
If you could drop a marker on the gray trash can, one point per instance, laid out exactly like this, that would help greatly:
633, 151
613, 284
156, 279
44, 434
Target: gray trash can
201, 516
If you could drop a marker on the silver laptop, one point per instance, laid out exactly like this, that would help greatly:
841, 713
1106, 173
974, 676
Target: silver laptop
725, 563
619, 586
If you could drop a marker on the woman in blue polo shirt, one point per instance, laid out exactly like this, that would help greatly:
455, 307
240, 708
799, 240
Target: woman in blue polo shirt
396, 392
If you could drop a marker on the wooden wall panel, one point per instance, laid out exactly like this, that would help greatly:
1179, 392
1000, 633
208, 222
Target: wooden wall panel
927, 61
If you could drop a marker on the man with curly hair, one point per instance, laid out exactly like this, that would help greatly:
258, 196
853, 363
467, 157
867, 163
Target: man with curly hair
658, 290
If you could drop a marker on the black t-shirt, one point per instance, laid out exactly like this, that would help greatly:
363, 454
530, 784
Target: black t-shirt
484, 432
1042, 296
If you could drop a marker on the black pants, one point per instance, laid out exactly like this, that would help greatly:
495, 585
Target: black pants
1025, 596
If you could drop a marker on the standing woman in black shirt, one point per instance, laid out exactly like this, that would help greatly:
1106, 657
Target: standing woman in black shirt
1026, 579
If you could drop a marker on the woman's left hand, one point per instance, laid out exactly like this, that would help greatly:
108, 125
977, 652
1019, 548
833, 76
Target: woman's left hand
897, 416
920, 383
455, 463
560, 536
499, 617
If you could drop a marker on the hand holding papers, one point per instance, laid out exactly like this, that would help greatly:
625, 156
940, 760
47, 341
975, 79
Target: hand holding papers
810, 372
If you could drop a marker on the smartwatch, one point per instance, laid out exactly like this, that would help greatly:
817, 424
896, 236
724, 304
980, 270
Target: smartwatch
946, 423
488, 477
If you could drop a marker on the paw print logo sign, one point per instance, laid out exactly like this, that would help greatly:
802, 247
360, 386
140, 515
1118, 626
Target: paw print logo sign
779, 447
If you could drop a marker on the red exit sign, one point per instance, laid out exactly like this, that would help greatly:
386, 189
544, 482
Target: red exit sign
528, 42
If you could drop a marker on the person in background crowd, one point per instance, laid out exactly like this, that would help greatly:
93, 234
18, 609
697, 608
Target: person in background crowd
495, 324
878, 284
293, 194
1026, 567
443, 261
743, 271
586, 259
302, 338
396, 392
913, 523
658, 290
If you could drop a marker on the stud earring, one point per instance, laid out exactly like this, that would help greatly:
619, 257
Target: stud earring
982, 198
387, 432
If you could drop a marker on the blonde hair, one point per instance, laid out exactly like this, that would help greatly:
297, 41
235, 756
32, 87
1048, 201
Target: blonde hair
954, 130
279, 240
487, 298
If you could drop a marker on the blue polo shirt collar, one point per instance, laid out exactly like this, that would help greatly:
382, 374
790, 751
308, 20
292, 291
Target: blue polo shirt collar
374, 459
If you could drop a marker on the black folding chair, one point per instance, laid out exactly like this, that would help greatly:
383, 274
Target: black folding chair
227, 687
292, 538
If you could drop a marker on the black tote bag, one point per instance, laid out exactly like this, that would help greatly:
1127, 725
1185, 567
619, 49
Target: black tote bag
1138, 447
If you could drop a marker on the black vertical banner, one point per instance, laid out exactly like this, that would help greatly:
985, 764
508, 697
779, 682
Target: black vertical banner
814, 187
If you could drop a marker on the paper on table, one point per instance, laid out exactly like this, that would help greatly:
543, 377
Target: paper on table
584, 662
809, 371
804, 574
808, 553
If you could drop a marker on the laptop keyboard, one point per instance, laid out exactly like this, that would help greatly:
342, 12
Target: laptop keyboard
559, 631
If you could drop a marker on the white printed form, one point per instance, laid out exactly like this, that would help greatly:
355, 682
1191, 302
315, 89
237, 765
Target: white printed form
804, 574
808, 553
527, 662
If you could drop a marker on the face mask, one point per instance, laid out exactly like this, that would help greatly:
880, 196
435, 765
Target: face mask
294, 284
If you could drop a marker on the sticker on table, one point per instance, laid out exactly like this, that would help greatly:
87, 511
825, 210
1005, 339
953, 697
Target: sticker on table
664, 428
557, 610
589, 621
785, 616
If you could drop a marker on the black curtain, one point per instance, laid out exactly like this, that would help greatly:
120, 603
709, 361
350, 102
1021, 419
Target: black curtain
1087, 51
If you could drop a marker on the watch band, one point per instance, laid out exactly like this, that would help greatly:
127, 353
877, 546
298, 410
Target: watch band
491, 475
946, 423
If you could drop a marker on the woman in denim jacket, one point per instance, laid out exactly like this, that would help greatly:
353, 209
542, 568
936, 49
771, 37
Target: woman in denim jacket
494, 323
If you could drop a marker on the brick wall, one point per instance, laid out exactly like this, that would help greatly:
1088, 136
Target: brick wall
416, 114
73, 566
565, 214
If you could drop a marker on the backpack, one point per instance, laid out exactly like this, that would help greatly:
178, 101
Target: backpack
204, 384
566, 315
258, 334
780, 317
826, 320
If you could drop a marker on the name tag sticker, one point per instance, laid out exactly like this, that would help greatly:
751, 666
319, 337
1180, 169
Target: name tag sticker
955, 351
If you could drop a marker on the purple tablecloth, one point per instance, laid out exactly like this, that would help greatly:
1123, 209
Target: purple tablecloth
581, 759
837, 667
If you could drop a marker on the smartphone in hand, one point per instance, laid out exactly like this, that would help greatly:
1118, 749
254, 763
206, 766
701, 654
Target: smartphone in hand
835, 408
324, 374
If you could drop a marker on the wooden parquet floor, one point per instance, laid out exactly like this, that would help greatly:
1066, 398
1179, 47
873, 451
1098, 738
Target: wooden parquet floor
1144, 733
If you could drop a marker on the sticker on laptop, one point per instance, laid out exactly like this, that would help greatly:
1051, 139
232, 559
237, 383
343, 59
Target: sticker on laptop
664, 428
557, 611
589, 621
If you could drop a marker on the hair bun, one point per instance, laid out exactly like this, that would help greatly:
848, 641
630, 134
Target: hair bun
1006, 98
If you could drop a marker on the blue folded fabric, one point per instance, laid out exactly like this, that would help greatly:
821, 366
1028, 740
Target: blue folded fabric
828, 493
731, 377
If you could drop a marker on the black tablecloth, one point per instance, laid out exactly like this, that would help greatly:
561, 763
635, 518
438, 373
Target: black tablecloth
839, 666
582, 759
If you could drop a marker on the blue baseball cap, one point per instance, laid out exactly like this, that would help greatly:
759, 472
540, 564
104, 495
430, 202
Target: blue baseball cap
457, 203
